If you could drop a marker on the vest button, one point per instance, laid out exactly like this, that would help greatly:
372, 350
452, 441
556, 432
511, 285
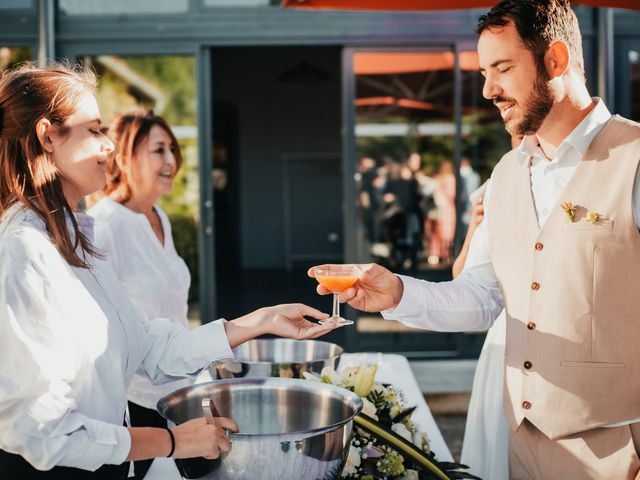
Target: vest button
528, 365
531, 326
539, 246
526, 405
535, 286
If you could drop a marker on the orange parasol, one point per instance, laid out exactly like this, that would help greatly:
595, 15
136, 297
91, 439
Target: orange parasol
417, 5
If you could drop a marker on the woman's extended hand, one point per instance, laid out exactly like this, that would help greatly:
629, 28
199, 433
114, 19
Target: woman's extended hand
288, 321
377, 289
203, 437
282, 320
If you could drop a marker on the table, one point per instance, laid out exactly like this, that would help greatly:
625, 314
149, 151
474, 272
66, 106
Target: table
395, 370
392, 369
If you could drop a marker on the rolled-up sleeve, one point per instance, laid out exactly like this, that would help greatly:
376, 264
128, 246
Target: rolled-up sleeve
41, 370
175, 351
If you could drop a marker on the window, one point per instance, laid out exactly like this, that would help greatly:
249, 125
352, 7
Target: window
16, 5
405, 134
121, 7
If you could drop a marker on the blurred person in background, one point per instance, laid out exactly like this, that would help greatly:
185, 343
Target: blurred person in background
402, 215
444, 198
470, 183
369, 198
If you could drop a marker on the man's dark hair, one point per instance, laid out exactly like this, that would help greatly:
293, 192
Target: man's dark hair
539, 23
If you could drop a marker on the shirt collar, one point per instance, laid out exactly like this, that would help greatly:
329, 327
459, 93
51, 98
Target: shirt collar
579, 139
85, 222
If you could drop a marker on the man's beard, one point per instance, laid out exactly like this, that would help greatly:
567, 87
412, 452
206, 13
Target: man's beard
535, 108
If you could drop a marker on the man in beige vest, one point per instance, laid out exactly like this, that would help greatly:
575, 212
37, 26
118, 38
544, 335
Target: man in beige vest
559, 248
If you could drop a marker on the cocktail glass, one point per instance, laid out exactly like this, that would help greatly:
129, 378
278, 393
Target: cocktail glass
336, 279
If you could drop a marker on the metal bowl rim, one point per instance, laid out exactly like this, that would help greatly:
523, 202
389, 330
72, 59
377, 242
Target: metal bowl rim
280, 340
359, 403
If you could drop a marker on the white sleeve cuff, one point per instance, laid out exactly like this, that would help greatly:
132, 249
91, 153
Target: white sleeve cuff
210, 343
178, 352
411, 304
122, 447
98, 443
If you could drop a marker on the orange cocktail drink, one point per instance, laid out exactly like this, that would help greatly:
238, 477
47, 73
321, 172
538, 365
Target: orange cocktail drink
336, 279
336, 283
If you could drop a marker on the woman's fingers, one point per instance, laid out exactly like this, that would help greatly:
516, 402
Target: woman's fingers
319, 330
306, 310
218, 437
204, 437
224, 444
226, 423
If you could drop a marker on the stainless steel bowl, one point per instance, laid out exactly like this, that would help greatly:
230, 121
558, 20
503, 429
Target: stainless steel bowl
288, 428
277, 357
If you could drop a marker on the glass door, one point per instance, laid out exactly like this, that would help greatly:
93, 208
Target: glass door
420, 138
628, 89
405, 175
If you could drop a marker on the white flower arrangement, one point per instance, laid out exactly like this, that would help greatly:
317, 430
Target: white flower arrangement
369, 458
386, 444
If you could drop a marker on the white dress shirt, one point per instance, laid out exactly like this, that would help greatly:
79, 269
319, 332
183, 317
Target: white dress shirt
472, 301
70, 343
153, 275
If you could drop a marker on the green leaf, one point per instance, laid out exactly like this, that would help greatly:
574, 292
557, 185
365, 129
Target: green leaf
424, 461
399, 444
403, 414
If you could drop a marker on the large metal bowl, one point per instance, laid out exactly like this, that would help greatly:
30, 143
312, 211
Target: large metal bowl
278, 357
288, 428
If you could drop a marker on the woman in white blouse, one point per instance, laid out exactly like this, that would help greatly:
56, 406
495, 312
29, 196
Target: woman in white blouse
70, 340
134, 233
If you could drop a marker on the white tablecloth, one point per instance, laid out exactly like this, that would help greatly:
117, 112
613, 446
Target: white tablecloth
392, 369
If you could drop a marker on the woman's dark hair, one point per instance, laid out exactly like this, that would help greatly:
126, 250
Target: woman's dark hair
539, 23
27, 173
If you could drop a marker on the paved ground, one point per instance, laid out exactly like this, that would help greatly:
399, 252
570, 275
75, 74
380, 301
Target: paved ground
450, 413
452, 428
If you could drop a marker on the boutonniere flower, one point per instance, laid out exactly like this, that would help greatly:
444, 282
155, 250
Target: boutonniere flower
592, 217
570, 209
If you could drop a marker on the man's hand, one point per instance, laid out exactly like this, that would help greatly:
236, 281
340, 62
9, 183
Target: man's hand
377, 289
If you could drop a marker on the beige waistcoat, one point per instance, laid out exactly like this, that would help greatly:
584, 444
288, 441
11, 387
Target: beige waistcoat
571, 290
